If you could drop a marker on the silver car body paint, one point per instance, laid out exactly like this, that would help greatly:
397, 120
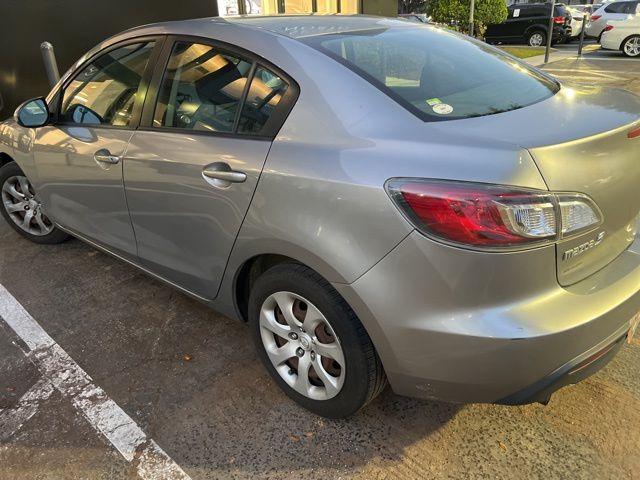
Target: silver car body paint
447, 322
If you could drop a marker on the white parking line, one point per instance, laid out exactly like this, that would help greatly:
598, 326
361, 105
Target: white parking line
102, 413
12, 419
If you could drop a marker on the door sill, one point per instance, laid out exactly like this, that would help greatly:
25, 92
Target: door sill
134, 264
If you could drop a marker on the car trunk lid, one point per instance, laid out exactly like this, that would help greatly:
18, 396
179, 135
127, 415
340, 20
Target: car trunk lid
607, 168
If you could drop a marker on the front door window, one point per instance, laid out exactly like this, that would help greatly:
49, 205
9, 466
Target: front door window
104, 92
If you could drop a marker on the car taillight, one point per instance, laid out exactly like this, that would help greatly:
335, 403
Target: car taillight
491, 216
595, 17
608, 28
558, 19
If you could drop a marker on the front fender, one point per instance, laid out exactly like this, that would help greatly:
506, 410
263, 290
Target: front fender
16, 143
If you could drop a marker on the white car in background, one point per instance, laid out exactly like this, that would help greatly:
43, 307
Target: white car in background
576, 22
623, 35
620, 10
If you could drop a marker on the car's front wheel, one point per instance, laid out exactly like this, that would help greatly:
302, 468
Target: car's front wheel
312, 343
631, 46
21, 207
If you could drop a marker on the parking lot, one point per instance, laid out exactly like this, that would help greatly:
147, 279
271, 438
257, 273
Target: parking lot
108, 374
597, 66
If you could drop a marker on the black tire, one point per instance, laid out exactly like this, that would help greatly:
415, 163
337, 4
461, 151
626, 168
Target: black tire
364, 375
12, 169
532, 34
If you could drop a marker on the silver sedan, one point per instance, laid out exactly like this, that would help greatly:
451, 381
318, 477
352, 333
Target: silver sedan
379, 200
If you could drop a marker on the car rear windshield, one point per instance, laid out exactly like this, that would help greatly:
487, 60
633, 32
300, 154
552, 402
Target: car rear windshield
436, 74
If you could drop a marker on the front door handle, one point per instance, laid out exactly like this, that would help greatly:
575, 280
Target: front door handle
104, 156
221, 175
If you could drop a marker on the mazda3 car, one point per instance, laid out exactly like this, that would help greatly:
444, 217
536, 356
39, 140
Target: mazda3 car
381, 201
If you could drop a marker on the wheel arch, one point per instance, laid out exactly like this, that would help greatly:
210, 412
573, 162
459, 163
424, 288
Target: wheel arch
253, 267
4, 159
536, 27
627, 38
247, 274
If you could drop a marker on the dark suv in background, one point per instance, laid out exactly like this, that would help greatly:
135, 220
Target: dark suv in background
529, 23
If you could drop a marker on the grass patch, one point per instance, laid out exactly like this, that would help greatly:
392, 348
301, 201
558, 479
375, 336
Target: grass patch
524, 52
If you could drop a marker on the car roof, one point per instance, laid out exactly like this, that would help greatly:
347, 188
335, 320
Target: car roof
292, 26
299, 26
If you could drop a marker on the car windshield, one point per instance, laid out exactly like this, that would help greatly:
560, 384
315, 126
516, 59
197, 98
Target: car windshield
436, 74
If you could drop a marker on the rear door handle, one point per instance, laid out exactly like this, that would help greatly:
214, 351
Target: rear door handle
221, 175
104, 156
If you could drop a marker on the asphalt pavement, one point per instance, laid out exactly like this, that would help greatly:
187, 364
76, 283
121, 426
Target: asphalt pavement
595, 67
108, 374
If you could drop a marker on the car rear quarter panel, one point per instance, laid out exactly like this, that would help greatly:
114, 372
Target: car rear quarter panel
321, 197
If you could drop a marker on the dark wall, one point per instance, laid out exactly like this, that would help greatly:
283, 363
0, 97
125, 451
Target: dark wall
73, 27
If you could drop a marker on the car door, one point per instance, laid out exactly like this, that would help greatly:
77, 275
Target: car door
517, 21
78, 157
192, 167
513, 27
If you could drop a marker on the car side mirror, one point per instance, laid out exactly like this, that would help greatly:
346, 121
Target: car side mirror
32, 113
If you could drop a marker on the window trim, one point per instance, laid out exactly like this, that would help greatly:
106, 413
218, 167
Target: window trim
143, 88
271, 127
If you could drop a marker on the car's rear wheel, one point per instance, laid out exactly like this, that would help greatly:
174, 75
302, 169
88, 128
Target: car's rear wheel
312, 343
631, 46
537, 38
22, 208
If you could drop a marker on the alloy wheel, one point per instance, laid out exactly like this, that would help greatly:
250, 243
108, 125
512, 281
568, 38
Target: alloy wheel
302, 346
24, 208
536, 40
632, 47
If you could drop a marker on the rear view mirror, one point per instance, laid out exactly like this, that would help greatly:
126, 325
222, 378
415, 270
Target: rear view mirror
32, 113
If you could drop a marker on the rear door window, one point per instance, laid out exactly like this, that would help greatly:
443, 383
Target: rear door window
207, 89
201, 89
265, 93
620, 7
633, 8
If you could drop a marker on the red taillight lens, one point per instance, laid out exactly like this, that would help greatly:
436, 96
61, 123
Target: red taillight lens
595, 17
635, 133
608, 28
478, 215
491, 216
558, 20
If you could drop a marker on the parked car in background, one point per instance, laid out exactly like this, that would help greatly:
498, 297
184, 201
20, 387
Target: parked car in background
377, 199
584, 7
529, 22
607, 12
623, 35
577, 23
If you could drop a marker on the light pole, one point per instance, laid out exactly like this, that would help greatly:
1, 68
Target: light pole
549, 32
471, 8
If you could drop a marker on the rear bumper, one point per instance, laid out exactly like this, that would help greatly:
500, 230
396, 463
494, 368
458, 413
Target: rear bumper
609, 43
569, 374
561, 32
465, 326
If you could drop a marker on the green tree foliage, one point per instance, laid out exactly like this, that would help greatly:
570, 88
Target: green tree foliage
412, 6
456, 13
